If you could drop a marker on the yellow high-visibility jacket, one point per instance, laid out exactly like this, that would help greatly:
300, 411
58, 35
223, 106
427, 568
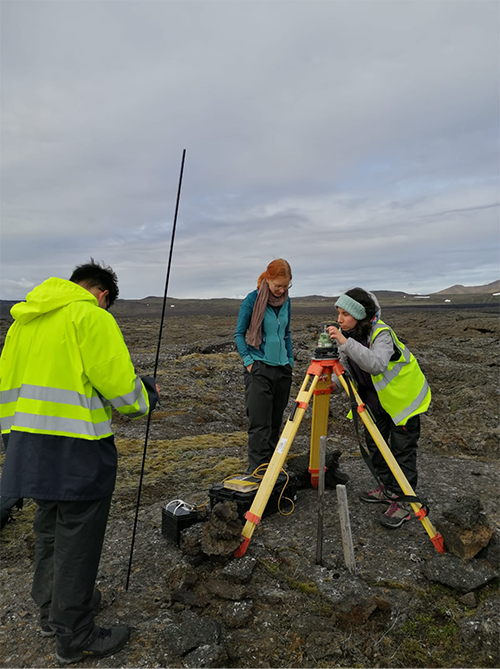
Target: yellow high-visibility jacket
402, 388
64, 365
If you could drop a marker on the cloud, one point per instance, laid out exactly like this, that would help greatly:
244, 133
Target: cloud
354, 139
10, 289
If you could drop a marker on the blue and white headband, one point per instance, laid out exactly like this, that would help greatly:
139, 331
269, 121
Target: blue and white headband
352, 307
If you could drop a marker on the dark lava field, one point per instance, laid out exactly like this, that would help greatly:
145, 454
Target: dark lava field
276, 607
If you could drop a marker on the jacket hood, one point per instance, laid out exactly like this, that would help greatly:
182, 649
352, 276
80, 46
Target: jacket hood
377, 305
50, 295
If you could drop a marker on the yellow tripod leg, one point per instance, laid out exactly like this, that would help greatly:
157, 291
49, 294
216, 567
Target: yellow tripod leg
393, 465
254, 515
319, 425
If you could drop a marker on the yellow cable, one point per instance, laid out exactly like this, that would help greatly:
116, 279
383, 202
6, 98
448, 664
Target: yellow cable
257, 475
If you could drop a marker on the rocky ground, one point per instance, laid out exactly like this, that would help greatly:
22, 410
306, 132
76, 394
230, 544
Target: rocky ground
276, 607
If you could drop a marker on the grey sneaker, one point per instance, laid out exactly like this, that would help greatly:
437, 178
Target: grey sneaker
395, 516
380, 495
47, 630
108, 642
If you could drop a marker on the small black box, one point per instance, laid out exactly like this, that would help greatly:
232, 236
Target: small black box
244, 500
175, 517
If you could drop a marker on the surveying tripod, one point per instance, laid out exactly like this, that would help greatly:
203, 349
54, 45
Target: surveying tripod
317, 384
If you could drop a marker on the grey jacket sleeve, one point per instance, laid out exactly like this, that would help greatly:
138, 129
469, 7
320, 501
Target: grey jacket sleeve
374, 360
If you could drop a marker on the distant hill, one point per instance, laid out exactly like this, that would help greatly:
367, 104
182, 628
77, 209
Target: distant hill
458, 289
381, 294
151, 306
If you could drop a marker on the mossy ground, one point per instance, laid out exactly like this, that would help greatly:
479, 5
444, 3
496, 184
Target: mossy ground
177, 467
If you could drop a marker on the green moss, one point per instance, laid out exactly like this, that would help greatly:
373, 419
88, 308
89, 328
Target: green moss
439, 634
490, 591
211, 456
393, 584
158, 416
443, 631
433, 632
16, 532
227, 467
410, 653
307, 587
321, 607
327, 664
270, 566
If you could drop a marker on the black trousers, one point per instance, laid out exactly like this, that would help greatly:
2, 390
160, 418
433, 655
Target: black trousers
267, 390
403, 442
68, 544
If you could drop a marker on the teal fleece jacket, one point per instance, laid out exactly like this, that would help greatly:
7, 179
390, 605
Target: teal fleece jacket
276, 346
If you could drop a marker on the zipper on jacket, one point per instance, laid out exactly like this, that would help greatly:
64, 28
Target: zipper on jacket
279, 338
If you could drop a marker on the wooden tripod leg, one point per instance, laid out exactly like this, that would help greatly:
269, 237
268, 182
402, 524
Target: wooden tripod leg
393, 465
254, 515
319, 426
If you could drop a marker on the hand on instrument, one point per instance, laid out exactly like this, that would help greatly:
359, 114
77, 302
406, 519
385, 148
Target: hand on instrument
335, 333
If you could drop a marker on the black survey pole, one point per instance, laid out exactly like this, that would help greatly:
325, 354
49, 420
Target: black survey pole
156, 365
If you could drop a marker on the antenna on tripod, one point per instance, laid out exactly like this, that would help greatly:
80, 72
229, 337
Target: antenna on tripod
156, 366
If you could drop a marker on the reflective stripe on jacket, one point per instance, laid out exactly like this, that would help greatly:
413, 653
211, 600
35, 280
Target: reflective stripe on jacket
64, 365
402, 388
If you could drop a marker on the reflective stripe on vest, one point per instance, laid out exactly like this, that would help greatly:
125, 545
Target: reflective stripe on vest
57, 395
391, 373
66, 412
44, 394
56, 425
136, 395
402, 388
414, 405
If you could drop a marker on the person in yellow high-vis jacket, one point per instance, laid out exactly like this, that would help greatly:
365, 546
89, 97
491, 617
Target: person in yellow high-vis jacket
391, 383
63, 367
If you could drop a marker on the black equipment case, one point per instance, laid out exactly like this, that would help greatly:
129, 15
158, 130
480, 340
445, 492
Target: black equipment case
175, 517
244, 500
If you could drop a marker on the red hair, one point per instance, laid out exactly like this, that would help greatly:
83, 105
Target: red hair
277, 268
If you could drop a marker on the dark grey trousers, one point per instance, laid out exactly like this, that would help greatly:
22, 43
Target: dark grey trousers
403, 442
68, 544
267, 390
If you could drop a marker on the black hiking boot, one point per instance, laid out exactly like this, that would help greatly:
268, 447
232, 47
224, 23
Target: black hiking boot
108, 642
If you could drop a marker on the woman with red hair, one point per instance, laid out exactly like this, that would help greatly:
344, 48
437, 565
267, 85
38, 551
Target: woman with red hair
265, 345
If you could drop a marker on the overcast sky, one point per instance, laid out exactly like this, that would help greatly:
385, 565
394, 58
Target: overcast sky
357, 139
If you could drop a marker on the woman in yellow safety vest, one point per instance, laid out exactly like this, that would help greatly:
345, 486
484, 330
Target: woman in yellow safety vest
391, 383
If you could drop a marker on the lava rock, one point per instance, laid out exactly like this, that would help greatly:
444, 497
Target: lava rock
453, 572
221, 535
